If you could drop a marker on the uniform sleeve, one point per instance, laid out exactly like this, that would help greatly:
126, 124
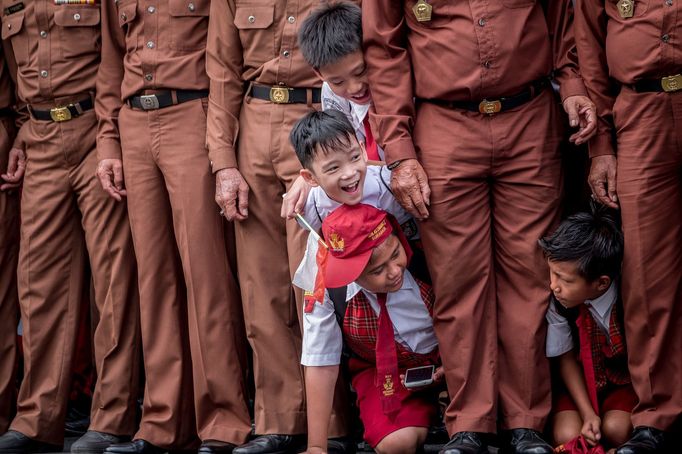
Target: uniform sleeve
322, 339
390, 75
559, 337
20, 107
224, 62
590, 29
108, 85
387, 200
304, 277
560, 16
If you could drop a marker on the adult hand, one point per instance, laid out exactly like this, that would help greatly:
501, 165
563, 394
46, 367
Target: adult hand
110, 174
582, 114
16, 166
602, 180
591, 429
410, 187
294, 200
232, 194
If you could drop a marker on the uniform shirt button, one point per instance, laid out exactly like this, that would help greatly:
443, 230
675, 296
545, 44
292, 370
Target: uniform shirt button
291, 19
148, 77
43, 34
487, 63
191, 7
286, 54
77, 16
43, 73
665, 38
669, 2
150, 44
123, 16
482, 22
151, 10
252, 19
9, 26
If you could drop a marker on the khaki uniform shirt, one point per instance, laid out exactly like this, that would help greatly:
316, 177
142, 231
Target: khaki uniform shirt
250, 42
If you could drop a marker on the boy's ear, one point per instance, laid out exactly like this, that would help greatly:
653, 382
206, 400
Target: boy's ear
309, 177
603, 283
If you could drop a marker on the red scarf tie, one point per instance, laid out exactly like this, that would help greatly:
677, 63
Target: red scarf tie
586, 356
370, 143
387, 379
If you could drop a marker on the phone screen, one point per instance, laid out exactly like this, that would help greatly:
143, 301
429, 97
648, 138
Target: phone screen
420, 376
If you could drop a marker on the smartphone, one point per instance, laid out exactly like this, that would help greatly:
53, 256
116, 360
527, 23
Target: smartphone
419, 376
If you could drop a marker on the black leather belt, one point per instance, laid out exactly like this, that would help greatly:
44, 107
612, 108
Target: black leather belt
667, 84
62, 113
286, 95
165, 99
6, 112
493, 106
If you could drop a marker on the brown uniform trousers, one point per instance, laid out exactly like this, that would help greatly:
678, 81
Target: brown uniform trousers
9, 302
649, 182
190, 313
62, 203
496, 185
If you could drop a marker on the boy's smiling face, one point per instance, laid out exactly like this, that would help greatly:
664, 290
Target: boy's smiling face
339, 172
570, 287
347, 77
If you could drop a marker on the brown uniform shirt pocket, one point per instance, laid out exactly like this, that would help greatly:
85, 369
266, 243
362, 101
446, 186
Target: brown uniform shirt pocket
256, 33
188, 24
12, 25
127, 11
640, 7
78, 27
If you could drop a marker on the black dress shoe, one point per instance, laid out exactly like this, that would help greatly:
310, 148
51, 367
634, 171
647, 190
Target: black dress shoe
77, 422
209, 446
465, 443
341, 445
273, 444
644, 440
94, 442
528, 441
13, 442
138, 446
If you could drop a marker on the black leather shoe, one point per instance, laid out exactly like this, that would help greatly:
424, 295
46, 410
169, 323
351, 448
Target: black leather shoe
209, 446
644, 440
135, 447
273, 444
528, 441
465, 443
77, 422
13, 442
341, 445
94, 442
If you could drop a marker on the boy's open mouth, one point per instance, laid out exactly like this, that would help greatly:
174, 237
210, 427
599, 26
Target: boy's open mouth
351, 188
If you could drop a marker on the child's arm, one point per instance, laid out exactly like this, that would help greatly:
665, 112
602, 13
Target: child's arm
320, 382
572, 375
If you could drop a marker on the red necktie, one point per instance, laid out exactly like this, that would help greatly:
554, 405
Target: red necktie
387, 379
586, 355
370, 143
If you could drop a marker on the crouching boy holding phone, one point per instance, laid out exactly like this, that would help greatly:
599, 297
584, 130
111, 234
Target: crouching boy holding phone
383, 317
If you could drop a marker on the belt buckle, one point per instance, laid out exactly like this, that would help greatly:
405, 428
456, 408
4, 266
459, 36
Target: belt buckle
59, 114
279, 95
149, 102
490, 107
672, 83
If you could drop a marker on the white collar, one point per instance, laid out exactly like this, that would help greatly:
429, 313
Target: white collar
604, 303
409, 284
360, 110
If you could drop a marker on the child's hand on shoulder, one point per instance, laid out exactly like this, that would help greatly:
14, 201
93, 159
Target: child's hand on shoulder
293, 201
591, 429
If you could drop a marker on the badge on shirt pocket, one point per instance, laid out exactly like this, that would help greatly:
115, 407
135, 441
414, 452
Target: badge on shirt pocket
422, 11
14, 8
626, 8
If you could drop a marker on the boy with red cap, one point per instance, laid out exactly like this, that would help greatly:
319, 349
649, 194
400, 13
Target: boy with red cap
386, 324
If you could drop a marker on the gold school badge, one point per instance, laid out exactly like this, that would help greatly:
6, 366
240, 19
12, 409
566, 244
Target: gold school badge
422, 11
626, 8
388, 386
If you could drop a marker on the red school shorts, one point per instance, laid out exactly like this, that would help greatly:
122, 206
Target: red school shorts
417, 409
613, 397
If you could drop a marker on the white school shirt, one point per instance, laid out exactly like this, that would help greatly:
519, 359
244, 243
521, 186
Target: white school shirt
376, 193
412, 324
559, 337
355, 113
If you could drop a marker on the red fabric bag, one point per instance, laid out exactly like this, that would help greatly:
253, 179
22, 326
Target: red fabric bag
579, 446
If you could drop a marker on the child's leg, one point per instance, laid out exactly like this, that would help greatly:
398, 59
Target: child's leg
403, 441
616, 427
566, 426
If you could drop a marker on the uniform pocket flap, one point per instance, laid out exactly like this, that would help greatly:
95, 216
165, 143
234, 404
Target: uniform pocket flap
12, 24
189, 7
254, 17
126, 13
76, 16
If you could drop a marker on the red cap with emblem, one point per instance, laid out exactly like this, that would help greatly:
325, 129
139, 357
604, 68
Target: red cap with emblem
352, 232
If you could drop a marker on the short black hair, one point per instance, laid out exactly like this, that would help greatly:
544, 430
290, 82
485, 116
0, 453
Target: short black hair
320, 131
593, 240
330, 33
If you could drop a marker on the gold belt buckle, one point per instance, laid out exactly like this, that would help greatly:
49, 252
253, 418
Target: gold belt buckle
59, 114
672, 83
490, 107
279, 95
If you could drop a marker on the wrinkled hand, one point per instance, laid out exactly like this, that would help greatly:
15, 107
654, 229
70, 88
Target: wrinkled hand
294, 200
582, 114
110, 174
232, 194
410, 187
16, 166
591, 429
602, 180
